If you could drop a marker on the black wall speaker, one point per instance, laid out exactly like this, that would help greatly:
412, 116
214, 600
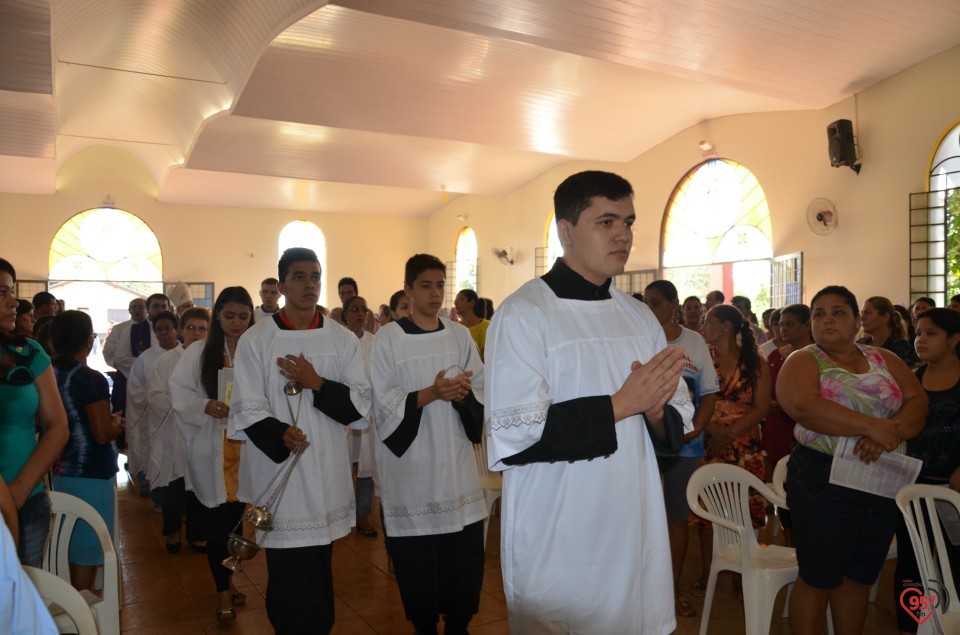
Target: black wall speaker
842, 147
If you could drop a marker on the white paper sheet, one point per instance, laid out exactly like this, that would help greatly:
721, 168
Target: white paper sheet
225, 385
884, 477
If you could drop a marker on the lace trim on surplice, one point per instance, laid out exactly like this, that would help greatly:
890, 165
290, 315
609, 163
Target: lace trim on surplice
516, 416
440, 507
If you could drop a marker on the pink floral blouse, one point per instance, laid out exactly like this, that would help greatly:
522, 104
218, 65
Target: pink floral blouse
874, 393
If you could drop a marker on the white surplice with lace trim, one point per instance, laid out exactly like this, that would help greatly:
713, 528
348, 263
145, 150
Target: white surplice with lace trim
584, 544
434, 487
318, 504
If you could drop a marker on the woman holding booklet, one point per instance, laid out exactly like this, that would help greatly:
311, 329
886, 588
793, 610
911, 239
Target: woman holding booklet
835, 389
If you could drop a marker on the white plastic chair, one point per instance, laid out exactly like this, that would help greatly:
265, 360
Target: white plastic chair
491, 482
720, 493
66, 510
919, 506
69, 609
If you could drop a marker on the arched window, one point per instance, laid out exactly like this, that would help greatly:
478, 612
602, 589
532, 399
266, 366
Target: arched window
466, 261
935, 226
105, 244
717, 233
303, 233
552, 249
99, 260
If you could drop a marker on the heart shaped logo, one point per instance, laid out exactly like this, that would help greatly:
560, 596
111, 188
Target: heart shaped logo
917, 605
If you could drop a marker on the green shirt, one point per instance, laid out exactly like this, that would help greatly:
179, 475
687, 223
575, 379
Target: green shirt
19, 402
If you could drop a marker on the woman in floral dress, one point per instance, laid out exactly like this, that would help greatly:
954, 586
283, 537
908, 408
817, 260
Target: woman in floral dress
733, 434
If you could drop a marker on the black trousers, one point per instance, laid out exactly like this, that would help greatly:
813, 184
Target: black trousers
440, 574
300, 590
220, 522
174, 501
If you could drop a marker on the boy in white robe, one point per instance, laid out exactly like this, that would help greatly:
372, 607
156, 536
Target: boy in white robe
317, 507
578, 381
424, 371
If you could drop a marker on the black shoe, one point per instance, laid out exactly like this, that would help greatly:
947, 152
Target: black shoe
173, 547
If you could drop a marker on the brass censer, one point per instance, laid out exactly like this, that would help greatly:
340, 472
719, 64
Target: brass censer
260, 513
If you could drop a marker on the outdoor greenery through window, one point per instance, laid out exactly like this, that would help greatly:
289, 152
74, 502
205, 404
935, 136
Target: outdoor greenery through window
953, 243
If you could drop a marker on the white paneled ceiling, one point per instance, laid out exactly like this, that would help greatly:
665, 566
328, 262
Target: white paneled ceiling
375, 106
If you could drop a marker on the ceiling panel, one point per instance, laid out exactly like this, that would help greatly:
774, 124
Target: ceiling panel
199, 187
775, 47
367, 72
26, 124
257, 146
25, 46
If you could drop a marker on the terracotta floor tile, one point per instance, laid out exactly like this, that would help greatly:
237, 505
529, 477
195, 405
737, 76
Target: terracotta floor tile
493, 628
356, 627
187, 627
152, 588
374, 601
155, 613
392, 623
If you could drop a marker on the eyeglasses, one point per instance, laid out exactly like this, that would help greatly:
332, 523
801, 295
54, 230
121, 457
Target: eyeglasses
194, 327
358, 309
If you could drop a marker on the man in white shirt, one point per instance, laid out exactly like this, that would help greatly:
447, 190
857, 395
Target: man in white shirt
580, 388
269, 299
138, 313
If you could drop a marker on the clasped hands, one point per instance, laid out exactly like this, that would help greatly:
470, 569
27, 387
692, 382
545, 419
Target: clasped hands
883, 435
453, 389
649, 387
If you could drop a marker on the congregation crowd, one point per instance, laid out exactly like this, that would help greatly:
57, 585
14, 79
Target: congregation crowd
581, 393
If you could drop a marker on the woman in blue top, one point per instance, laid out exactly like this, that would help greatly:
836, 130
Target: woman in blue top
28, 397
87, 467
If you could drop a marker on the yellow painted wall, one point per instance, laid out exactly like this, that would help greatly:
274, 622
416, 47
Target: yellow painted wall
229, 246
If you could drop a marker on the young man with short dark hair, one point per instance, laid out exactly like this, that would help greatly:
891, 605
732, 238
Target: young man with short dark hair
323, 359
425, 371
269, 300
580, 389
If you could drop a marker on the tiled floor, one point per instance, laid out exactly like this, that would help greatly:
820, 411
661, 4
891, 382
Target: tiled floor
167, 594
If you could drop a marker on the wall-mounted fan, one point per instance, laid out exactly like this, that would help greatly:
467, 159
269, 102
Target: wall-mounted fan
502, 255
822, 216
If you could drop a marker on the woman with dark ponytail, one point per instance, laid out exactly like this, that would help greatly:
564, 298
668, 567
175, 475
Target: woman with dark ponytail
733, 434
213, 460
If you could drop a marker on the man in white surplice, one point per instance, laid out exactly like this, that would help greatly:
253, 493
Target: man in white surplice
298, 345
424, 370
580, 390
